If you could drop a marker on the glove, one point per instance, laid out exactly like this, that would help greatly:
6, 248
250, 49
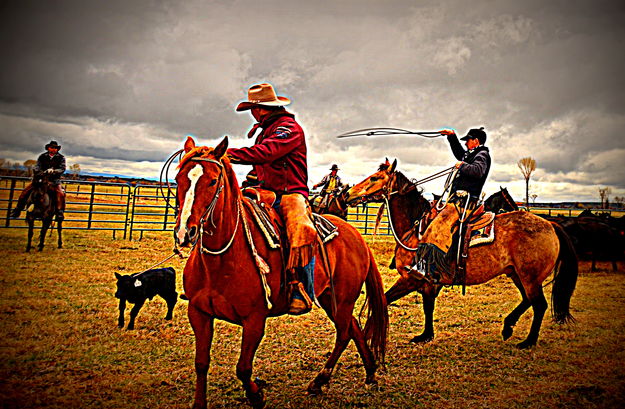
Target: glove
447, 132
49, 170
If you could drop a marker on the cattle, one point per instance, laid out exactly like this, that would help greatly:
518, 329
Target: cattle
593, 237
136, 288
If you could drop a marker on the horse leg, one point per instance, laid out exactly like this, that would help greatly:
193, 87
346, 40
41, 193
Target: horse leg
253, 332
365, 352
59, 229
202, 325
342, 323
510, 321
429, 293
31, 227
539, 305
45, 225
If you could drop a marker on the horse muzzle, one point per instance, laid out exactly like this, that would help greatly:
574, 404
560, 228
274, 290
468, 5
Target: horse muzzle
186, 236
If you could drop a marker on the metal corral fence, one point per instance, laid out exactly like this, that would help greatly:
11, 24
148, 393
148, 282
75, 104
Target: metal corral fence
130, 211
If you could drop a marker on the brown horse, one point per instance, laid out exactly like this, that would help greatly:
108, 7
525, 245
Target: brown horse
336, 205
41, 205
527, 249
234, 275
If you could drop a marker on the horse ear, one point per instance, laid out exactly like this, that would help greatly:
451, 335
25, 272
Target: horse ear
393, 166
220, 149
189, 144
118, 276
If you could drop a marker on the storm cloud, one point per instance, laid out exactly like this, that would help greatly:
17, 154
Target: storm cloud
119, 84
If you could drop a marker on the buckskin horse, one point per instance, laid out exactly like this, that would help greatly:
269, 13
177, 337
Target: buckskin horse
336, 205
527, 249
41, 205
232, 274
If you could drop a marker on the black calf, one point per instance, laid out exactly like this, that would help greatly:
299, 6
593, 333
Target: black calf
136, 288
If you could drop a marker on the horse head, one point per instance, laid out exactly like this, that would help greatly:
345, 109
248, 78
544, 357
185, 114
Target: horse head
201, 179
39, 204
374, 187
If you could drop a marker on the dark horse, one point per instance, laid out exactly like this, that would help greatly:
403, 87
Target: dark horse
234, 275
500, 202
41, 205
336, 204
527, 249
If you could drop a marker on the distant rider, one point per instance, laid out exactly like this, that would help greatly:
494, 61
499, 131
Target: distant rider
331, 184
53, 164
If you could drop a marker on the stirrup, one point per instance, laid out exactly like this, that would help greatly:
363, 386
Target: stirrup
299, 306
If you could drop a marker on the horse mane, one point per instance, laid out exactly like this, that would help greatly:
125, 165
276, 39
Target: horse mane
408, 188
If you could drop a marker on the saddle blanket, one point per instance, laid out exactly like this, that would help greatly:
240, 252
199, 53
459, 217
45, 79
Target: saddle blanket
483, 235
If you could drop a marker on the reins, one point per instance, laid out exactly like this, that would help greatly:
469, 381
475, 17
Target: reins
449, 172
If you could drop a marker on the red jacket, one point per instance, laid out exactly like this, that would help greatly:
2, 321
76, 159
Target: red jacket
278, 155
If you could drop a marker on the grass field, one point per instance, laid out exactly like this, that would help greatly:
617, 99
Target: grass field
61, 346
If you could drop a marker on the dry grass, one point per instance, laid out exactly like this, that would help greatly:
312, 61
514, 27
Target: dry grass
61, 346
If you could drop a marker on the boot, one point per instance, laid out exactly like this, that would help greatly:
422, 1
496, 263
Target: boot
15, 213
300, 302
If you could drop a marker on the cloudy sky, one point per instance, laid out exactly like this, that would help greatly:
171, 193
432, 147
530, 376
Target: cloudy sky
120, 83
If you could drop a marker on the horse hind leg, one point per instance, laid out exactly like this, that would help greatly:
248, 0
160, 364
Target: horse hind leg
342, 323
510, 321
539, 305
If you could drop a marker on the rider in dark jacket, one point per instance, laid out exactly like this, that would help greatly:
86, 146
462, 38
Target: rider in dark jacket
432, 255
52, 163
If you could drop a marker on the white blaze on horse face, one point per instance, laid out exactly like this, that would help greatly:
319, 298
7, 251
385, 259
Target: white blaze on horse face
194, 174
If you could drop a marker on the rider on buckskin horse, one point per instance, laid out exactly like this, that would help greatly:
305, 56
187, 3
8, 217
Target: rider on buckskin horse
52, 163
279, 164
473, 167
331, 184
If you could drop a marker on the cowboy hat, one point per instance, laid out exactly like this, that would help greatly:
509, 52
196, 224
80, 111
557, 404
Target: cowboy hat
334, 167
262, 95
53, 144
475, 133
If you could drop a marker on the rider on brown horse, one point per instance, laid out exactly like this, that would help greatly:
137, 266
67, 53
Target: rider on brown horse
279, 160
472, 171
331, 184
53, 163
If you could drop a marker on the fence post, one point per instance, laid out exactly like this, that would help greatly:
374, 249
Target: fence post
132, 214
127, 209
91, 199
11, 193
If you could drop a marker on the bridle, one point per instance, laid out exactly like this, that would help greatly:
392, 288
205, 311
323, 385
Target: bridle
210, 210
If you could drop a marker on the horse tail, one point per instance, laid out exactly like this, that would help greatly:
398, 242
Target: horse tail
565, 277
376, 327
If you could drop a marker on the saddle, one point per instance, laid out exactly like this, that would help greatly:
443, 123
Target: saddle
259, 201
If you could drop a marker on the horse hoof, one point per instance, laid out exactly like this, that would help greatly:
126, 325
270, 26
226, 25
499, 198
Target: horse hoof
525, 344
506, 333
257, 400
314, 389
422, 339
371, 380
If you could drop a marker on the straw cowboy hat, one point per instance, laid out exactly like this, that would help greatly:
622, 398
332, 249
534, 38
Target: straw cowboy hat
262, 95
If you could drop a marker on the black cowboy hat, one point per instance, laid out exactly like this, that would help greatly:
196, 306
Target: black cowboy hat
334, 167
475, 133
53, 144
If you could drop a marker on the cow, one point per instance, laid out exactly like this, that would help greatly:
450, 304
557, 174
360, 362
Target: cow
136, 288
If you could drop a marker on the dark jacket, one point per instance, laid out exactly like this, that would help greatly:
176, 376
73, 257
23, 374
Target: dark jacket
473, 173
278, 155
56, 162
